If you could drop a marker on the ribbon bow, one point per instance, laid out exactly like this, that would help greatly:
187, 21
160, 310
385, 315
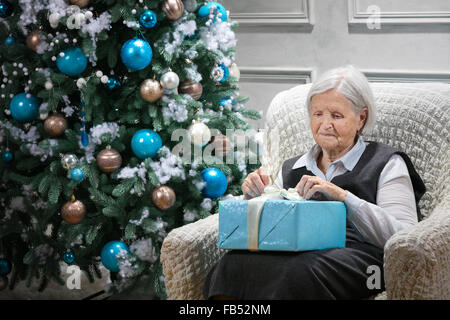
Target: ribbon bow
255, 207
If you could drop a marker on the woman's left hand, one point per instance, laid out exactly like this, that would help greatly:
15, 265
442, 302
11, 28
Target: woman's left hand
310, 187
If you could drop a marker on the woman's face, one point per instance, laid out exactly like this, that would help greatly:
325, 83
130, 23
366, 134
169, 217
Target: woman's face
333, 122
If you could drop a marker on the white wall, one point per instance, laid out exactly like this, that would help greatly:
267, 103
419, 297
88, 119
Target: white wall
287, 42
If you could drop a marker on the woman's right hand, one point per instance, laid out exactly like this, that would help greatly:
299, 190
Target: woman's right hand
254, 184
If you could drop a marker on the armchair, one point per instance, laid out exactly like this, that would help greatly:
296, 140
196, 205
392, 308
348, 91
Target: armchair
413, 117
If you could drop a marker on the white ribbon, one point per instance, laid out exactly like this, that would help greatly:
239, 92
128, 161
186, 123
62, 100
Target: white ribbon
255, 207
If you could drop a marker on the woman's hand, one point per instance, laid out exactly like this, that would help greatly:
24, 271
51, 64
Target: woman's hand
254, 184
311, 187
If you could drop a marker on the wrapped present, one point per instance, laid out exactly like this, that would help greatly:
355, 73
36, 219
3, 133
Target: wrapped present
281, 220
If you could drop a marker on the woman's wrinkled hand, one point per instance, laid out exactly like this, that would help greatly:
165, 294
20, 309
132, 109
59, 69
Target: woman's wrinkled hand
313, 188
254, 184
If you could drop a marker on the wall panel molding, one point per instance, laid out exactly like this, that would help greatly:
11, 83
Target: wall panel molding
276, 75
303, 18
359, 16
406, 76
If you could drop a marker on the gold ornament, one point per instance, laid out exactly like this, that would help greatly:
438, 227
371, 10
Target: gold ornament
194, 89
55, 125
109, 160
33, 40
80, 3
199, 133
151, 90
174, 9
163, 197
73, 211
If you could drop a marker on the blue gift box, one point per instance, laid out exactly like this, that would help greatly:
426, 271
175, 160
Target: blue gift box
284, 225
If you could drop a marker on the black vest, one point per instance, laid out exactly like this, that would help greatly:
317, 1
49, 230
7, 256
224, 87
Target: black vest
362, 181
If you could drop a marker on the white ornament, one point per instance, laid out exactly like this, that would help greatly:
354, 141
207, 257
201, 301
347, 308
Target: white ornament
99, 73
104, 79
199, 133
88, 14
170, 80
54, 19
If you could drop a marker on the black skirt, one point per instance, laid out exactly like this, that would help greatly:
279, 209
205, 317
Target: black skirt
339, 273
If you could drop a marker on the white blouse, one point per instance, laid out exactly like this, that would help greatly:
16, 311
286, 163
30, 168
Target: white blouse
395, 208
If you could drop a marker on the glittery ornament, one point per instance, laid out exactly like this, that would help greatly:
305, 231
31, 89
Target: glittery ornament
163, 197
33, 40
73, 211
109, 160
194, 89
173, 8
80, 3
55, 125
151, 90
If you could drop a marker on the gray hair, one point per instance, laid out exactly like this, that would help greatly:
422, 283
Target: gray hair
354, 85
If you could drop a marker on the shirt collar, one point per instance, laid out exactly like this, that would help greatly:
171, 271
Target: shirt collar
349, 160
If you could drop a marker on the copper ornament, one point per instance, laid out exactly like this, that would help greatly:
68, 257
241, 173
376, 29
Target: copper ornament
80, 3
163, 197
174, 9
73, 211
151, 90
109, 160
194, 89
55, 125
33, 40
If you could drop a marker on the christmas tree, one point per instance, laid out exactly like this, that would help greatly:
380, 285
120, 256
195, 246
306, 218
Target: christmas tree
114, 129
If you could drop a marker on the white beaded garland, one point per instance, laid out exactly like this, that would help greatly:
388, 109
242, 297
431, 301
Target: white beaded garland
81, 82
48, 85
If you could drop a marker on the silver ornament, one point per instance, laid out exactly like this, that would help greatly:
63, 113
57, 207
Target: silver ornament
170, 80
69, 160
190, 5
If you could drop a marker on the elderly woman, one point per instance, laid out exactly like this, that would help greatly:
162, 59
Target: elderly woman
378, 184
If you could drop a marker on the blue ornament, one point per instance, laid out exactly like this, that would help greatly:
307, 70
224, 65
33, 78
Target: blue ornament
76, 174
208, 8
9, 41
7, 156
226, 72
112, 84
68, 257
146, 143
136, 54
216, 182
24, 107
224, 101
109, 254
5, 267
148, 19
73, 62
84, 138
6, 9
